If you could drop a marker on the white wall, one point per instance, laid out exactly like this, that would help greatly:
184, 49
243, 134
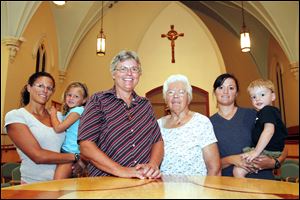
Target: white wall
196, 53
132, 26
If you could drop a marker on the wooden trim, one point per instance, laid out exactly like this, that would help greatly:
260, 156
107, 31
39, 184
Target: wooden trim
201, 91
156, 90
293, 135
293, 130
8, 147
297, 157
292, 141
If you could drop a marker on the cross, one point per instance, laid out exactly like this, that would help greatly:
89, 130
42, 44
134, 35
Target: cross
172, 35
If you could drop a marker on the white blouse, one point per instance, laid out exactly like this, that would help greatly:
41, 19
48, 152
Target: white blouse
183, 146
46, 137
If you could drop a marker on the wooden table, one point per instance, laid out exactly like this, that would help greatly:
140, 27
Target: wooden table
167, 187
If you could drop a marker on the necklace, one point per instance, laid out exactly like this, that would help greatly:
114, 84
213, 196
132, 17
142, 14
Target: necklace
127, 104
127, 100
181, 120
127, 110
129, 114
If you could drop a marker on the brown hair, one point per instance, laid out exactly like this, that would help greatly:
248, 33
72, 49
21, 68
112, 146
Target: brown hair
25, 96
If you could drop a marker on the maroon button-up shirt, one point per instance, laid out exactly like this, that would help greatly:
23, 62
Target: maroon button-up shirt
124, 134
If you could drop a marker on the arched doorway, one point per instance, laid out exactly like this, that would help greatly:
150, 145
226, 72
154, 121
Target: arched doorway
200, 101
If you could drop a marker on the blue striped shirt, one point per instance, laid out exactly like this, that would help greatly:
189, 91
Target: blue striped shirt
125, 134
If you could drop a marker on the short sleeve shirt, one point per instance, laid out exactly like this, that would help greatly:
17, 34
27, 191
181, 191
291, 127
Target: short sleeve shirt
270, 114
125, 134
47, 138
183, 146
235, 134
70, 143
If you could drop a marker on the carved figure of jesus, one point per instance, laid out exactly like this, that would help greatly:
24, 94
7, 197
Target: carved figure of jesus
172, 35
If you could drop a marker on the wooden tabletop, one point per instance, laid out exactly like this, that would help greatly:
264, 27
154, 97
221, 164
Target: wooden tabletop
166, 187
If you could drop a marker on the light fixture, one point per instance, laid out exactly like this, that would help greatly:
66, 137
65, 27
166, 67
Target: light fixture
245, 36
59, 3
101, 38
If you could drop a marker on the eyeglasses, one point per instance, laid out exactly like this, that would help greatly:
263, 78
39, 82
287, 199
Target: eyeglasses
124, 69
180, 93
42, 87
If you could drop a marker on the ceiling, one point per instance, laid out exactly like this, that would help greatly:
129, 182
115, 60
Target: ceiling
279, 18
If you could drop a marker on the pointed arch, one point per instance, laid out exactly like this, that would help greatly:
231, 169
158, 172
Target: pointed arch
43, 53
276, 72
199, 103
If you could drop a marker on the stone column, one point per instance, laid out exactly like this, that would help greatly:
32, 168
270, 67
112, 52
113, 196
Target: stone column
294, 68
62, 76
13, 44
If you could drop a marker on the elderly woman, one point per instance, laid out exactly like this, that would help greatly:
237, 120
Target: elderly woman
190, 143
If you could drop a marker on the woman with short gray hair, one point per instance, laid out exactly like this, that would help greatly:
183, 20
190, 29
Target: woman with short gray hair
118, 132
122, 56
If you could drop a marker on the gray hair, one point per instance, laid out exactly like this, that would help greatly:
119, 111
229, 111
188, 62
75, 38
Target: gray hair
124, 55
178, 78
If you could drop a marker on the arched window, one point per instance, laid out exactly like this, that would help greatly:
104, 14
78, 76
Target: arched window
279, 89
41, 59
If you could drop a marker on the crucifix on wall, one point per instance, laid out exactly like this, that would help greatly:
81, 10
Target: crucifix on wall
172, 35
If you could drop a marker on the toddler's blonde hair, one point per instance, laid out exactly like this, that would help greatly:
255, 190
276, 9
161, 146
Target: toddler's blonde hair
261, 83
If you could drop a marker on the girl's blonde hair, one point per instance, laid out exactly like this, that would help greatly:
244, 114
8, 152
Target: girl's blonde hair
84, 88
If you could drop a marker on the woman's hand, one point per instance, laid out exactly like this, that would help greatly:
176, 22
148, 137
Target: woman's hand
140, 171
149, 170
263, 162
237, 160
130, 172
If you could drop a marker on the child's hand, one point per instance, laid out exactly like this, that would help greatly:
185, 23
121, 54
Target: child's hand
249, 156
53, 110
